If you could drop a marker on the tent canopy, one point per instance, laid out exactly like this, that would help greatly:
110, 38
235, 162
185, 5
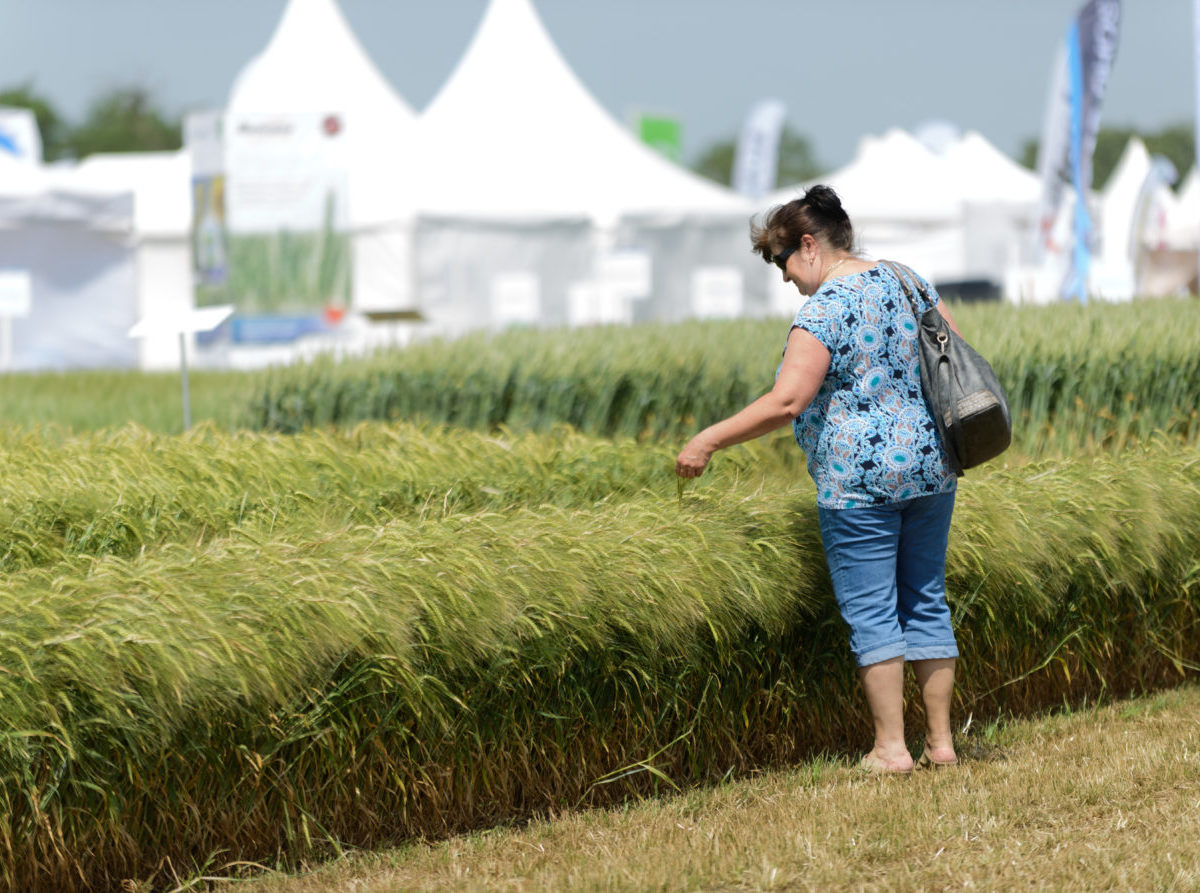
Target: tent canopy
514, 133
35, 192
314, 63
892, 178
982, 173
160, 182
74, 242
1183, 223
896, 177
309, 119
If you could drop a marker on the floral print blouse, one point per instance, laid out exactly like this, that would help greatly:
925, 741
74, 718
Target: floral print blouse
868, 434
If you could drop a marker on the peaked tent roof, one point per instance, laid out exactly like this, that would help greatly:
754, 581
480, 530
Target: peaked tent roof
1119, 200
314, 63
514, 132
1183, 215
1189, 191
897, 177
985, 174
892, 178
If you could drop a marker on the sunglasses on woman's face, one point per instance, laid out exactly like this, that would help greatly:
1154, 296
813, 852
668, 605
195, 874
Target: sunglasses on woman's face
782, 258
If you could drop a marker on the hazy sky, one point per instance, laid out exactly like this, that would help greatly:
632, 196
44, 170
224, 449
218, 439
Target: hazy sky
845, 68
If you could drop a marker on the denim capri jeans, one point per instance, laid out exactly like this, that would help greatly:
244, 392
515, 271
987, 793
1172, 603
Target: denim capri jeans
888, 566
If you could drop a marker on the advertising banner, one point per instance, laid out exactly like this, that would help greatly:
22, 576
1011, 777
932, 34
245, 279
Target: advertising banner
282, 205
202, 136
663, 134
1072, 124
756, 160
285, 172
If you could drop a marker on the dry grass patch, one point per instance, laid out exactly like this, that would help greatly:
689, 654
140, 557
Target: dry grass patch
1105, 798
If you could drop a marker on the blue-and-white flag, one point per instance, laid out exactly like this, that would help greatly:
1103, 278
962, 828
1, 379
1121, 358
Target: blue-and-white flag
20, 139
1072, 124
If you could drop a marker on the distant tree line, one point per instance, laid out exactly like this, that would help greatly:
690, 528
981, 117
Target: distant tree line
124, 119
127, 119
1177, 143
798, 164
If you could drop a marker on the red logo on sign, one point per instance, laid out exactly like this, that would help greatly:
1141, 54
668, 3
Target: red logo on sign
332, 125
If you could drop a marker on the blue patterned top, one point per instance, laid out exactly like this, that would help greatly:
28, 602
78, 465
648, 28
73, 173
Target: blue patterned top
868, 434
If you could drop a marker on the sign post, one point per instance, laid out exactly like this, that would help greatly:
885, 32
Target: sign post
203, 320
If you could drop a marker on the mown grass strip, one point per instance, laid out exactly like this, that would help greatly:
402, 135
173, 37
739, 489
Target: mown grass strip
270, 692
1100, 798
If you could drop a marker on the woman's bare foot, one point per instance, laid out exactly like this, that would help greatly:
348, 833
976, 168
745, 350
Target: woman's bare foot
937, 755
887, 763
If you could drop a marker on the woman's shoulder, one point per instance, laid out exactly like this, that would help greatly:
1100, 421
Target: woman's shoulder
902, 275
852, 286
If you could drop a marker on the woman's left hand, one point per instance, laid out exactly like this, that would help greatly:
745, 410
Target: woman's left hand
693, 459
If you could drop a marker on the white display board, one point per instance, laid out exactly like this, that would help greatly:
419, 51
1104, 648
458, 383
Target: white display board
628, 273
285, 172
717, 292
516, 299
16, 293
204, 319
597, 303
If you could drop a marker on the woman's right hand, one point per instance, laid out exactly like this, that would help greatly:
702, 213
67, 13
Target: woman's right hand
693, 458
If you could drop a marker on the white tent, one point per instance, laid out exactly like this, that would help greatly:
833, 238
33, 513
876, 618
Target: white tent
982, 173
1183, 225
75, 247
312, 127
513, 132
1000, 206
307, 114
893, 180
527, 188
1121, 210
1171, 242
958, 213
902, 204
162, 223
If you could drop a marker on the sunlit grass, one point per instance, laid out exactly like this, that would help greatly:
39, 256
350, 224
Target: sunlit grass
88, 401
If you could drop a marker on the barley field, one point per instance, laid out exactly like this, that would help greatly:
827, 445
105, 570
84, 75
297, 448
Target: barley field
1077, 377
255, 642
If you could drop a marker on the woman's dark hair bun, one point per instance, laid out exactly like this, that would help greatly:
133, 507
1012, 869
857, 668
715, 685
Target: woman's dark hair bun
822, 198
818, 213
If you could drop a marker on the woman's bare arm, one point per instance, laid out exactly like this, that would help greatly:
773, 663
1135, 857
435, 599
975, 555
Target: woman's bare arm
804, 366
